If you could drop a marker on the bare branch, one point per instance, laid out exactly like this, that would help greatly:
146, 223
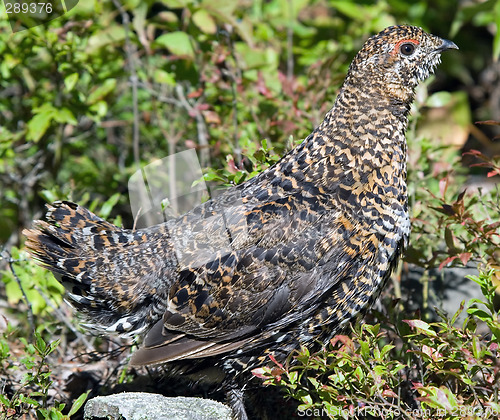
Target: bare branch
131, 52
289, 42
235, 76
64, 319
31, 319
200, 125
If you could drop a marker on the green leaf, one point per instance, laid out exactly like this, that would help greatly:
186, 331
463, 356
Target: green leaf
224, 8
293, 377
4, 400
458, 312
421, 326
213, 176
40, 344
48, 195
28, 400
4, 349
100, 108
70, 81
77, 404
131, 4
112, 35
139, 22
53, 345
64, 116
439, 99
161, 76
372, 329
358, 372
387, 348
177, 4
40, 123
479, 313
101, 91
256, 58
37, 394
364, 348
314, 382
108, 205
239, 177
496, 39
260, 155
351, 9
203, 20
307, 400
178, 43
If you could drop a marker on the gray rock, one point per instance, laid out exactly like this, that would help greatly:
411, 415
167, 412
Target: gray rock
145, 406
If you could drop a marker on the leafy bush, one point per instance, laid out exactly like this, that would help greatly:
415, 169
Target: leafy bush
410, 369
30, 392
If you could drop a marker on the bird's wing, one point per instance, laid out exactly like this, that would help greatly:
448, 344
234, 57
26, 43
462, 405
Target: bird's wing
228, 301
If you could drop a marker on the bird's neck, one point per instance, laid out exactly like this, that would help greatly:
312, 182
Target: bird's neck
363, 132
364, 121
364, 113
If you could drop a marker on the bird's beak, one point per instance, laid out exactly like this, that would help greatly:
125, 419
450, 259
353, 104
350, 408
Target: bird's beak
447, 45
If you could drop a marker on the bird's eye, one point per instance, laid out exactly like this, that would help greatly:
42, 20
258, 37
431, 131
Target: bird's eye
408, 48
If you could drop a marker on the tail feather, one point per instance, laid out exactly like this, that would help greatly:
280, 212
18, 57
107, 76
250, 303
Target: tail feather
97, 262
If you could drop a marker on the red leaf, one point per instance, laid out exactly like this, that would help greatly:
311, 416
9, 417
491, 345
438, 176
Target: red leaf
465, 257
287, 85
261, 86
271, 356
260, 373
473, 152
432, 353
477, 153
276, 372
427, 350
195, 94
211, 117
446, 261
344, 339
231, 164
488, 122
389, 393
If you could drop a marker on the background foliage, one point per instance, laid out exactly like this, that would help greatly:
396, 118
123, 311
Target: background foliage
92, 96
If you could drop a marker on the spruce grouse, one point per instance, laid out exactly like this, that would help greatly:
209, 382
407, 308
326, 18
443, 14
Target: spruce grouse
285, 259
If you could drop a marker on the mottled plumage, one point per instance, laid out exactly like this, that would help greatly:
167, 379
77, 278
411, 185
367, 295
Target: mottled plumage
284, 259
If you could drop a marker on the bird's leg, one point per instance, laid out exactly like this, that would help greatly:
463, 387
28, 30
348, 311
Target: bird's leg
235, 397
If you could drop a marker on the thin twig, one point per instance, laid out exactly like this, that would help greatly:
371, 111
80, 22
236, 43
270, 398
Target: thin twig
172, 174
31, 319
289, 42
200, 125
162, 98
236, 142
64, 319
234, 77
131, 51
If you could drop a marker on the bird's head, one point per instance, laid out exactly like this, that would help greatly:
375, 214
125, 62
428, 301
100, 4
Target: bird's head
397, 59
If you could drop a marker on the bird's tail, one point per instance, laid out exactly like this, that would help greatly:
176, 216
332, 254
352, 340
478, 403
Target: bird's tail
115, 277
